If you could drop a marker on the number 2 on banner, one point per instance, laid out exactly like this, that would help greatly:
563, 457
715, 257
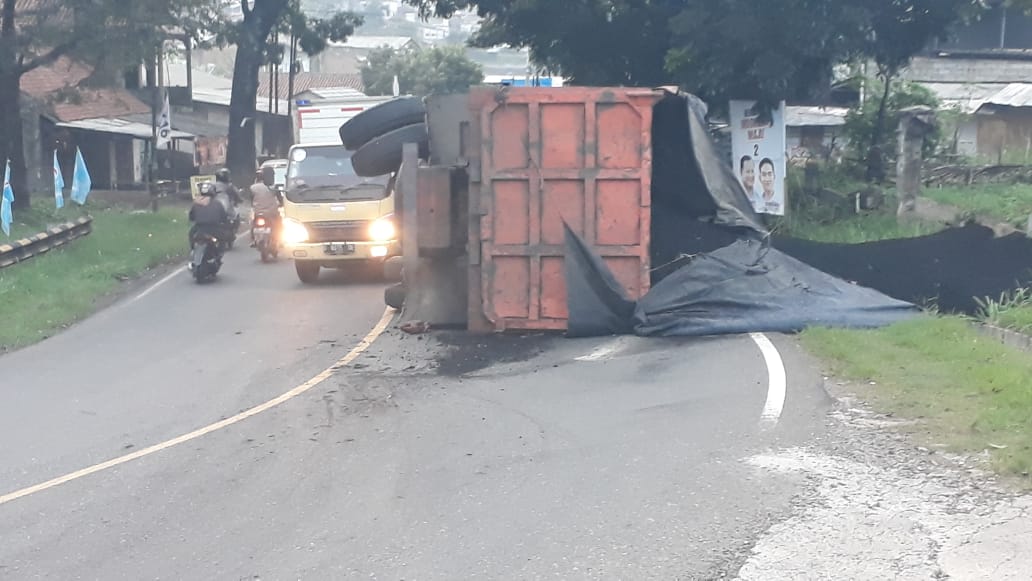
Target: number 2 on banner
756, 150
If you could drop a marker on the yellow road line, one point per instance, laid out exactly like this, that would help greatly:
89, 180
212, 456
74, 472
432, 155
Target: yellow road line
321, 377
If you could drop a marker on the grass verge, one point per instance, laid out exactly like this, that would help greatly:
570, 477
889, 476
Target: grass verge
49, 292
1011, 310
852, 230
969, 392
1010, 203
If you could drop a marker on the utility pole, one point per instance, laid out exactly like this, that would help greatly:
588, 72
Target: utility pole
152, 171
290, 85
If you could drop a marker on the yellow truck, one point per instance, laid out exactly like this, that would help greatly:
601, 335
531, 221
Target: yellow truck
332, 217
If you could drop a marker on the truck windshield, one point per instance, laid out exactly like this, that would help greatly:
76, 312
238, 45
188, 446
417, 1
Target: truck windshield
325, 174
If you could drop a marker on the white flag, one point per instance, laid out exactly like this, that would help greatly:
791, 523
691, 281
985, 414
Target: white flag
165, 125
397, 88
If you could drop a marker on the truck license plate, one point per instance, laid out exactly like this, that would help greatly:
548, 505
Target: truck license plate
262, 230
335, 248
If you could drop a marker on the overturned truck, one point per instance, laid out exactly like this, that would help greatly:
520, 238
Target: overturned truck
591, 211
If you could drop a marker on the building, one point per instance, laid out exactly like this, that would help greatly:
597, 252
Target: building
988, 92
105, 123
304, 82
814, 132
348, 57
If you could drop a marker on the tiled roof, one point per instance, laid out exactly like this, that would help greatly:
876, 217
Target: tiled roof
95, 103
64, 73
306, 81
57, 86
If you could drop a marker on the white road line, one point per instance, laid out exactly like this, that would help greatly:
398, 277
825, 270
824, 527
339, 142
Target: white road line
605, 351
321, 377
777, 381
155, 286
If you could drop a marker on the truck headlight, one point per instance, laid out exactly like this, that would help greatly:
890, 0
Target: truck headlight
382, 230
294, 231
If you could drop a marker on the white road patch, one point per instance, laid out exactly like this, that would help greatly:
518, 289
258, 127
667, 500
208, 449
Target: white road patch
606, 350
865, 522
777, 380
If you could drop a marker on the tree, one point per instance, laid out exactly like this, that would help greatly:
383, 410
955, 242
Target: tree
253, 38
768, 51
757, 49
880, 109
896, 31
36, 33
590, 42
422, 72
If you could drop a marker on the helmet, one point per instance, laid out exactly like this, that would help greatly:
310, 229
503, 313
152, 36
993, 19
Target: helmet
206, 189
222, 175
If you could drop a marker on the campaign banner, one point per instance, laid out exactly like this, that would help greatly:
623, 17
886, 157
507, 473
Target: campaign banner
758, 146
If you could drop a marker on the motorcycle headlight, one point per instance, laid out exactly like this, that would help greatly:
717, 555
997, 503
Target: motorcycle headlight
294, 231
382, 230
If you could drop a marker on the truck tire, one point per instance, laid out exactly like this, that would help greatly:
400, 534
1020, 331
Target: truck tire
381, 119
394, 296
307, 272
382, 155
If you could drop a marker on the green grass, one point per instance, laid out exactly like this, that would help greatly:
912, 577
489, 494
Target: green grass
1010, 203
49, 292
854, 229
969, 392
1011, 310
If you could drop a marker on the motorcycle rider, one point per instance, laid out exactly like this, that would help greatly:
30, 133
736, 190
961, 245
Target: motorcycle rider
227, 195
208, 216
266, 201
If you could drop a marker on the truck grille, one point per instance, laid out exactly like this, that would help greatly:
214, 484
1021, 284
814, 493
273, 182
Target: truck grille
340, 231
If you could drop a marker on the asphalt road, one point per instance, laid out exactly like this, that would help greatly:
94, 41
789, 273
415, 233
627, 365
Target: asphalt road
498, 459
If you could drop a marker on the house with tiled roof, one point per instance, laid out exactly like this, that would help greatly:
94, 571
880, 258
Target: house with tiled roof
307, 81
64, 110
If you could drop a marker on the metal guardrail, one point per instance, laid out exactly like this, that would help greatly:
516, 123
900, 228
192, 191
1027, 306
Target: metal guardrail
26, 248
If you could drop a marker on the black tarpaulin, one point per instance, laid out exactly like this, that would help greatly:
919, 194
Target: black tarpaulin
741, 288
689, 174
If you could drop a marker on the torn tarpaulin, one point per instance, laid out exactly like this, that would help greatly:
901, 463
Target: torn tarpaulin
741, 288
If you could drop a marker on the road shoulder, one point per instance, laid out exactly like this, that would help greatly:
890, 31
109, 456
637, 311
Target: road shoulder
877, 504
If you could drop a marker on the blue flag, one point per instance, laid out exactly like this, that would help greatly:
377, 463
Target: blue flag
6, 217
81, 183
58, 184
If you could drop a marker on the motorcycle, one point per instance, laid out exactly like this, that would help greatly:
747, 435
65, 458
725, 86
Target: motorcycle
205, 256
263, 238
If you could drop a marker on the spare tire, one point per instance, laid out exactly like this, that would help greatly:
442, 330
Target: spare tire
382, 155
394, 296
381, 119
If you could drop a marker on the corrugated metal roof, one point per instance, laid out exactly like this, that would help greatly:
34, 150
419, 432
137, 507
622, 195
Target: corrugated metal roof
1013, 95
966, 97
223, 96
119, 127
800, 116
333, 93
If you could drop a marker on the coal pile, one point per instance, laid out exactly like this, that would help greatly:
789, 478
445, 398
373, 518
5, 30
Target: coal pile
698, 206
949, 269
